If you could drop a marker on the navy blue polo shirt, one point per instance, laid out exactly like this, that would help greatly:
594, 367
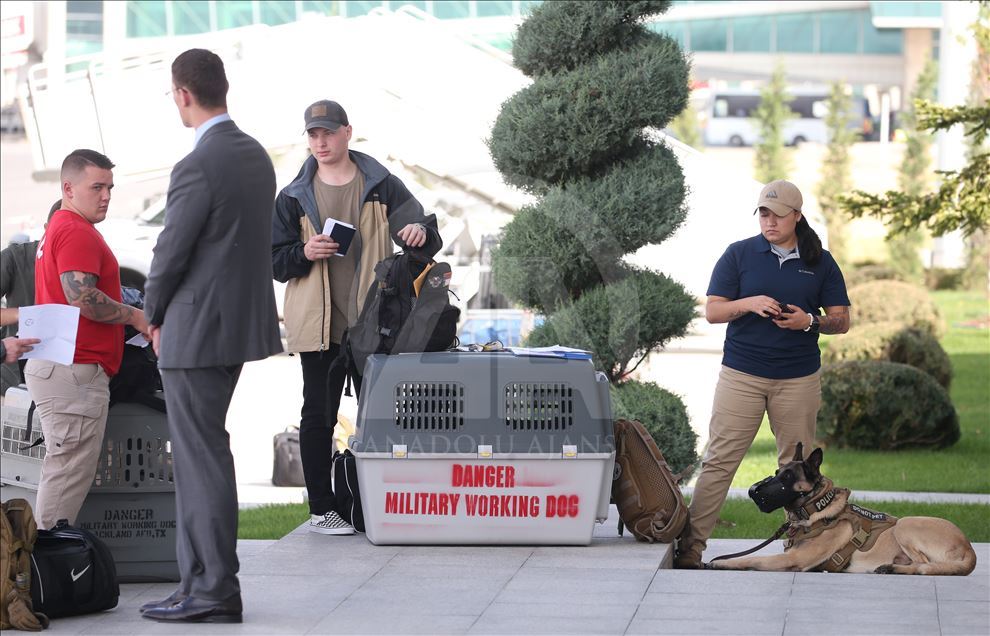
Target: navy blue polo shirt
755, 345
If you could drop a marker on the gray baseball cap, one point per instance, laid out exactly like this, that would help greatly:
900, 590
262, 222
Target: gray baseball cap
325, 114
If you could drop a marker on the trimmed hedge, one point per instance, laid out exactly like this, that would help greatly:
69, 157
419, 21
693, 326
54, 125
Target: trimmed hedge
860, 274
894, 301
875, 405
892, 342
664, 416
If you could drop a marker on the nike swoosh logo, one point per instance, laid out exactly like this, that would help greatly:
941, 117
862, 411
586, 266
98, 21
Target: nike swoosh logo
75, 577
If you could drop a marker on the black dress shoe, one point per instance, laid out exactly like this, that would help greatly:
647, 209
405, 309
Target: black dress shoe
194, 610
172, 599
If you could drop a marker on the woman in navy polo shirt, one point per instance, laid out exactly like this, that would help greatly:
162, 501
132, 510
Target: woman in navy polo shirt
769, 288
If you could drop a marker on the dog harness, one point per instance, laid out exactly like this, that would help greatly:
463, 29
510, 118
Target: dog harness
867, 526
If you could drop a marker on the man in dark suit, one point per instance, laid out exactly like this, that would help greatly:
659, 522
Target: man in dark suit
211, 307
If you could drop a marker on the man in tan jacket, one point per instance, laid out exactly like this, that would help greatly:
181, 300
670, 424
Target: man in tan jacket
326, 285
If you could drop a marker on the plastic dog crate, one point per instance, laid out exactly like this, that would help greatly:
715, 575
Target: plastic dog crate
483, 448
131, 504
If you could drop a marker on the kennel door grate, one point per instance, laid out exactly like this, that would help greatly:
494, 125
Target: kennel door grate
539, 406
134, 462
429, 406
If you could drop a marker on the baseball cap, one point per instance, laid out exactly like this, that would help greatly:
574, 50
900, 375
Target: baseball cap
780, 197
325, 114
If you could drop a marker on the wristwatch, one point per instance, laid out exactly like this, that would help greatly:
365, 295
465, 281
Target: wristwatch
813, 327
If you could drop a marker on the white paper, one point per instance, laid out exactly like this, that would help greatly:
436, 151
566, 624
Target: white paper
55, 325
556, 351
138, 341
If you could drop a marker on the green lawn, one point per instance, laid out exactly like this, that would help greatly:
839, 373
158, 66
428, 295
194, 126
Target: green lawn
741, 519
960, 468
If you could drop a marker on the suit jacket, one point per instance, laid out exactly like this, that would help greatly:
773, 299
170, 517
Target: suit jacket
210, 285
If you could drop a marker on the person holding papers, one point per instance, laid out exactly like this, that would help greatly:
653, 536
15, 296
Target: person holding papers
75, 267
329, 270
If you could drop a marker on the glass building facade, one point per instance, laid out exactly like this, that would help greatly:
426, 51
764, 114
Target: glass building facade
820, 32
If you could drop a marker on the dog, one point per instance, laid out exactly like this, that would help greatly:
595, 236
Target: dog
827, 533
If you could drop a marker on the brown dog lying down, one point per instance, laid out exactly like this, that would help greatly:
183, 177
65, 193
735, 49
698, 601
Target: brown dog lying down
827, 533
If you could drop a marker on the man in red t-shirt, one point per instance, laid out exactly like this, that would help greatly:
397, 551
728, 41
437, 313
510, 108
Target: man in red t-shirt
75, 267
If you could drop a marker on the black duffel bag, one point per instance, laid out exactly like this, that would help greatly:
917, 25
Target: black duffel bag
72, 573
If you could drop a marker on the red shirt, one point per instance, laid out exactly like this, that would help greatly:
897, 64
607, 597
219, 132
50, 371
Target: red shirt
72, 244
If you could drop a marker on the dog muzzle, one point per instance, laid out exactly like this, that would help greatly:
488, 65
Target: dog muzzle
773, 492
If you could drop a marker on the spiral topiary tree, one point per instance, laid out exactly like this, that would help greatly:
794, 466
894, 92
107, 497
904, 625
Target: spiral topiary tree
580, 137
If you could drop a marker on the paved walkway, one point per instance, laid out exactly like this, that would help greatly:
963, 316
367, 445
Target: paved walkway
314, 584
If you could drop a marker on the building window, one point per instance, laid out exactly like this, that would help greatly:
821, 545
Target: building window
841, 31
83, 28
275, 13
796, 33
234, 14
190, 17
324, 7
676, 30
358, 7
494, 8
451, 9
709, 35
752, 34
882, 41
146, 19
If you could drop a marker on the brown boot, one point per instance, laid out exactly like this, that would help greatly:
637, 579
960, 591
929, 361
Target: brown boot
687, 556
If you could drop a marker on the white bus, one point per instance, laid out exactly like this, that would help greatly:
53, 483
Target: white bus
730, 113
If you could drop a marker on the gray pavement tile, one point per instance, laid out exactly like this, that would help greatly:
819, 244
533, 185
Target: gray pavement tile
608, 596
556, 582
862, 586
313, 564
254, 623
729, 627
406, 572
963, 588
638, 556
703, 607
844, 625
508, 623
384, 622
889, 607
563, 609
965, 614
374, 603
475, 556
773, 584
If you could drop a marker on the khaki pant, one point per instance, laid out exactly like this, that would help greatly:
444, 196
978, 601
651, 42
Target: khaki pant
737, 412
72, 402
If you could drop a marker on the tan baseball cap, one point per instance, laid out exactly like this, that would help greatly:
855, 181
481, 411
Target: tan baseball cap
780, 197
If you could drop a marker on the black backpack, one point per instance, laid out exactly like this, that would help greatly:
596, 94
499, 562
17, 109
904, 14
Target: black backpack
347, 494
407, 310
72, 572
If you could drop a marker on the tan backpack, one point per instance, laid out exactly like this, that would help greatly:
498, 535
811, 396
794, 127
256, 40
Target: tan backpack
18, 532
644, 490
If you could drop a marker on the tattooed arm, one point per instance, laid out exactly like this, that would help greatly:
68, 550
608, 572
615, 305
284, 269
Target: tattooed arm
835, 320
80, 291
719, 309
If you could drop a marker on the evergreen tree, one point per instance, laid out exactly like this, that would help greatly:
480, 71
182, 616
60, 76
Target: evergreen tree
836, 169
914, 178
577, 137
771, 160
976, 272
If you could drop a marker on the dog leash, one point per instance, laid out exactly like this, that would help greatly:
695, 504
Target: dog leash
776, 535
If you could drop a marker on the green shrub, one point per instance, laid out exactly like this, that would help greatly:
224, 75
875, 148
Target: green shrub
884, 406
894, 301
859, 274
892, 342
664, 416
938, 278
